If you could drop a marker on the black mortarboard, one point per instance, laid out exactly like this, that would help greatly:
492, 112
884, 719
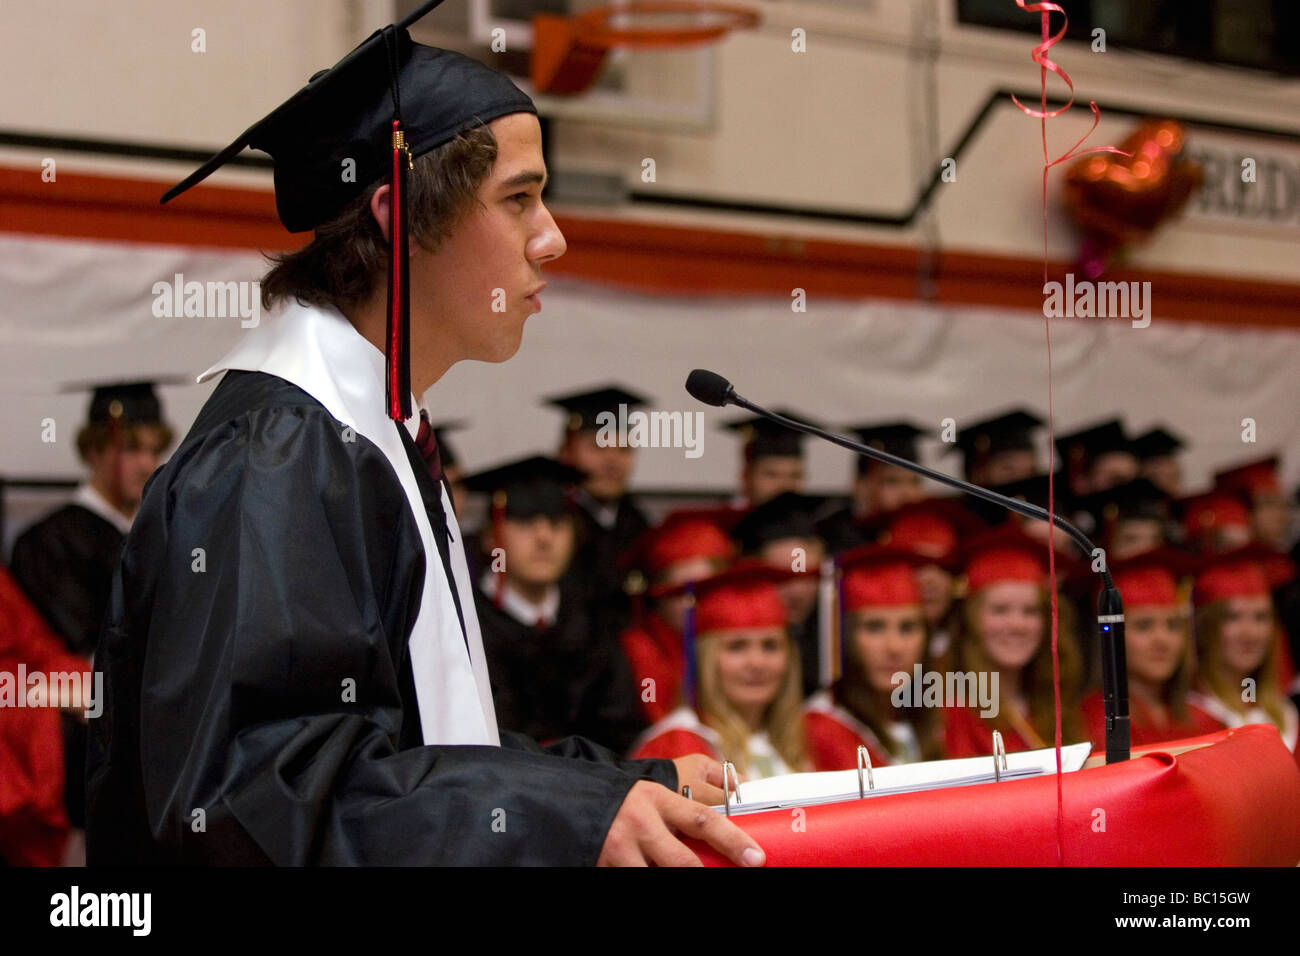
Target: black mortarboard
1155, 443
896, 438
1135, 499
1010, 431
764, 438
364, 119
584, 407
788, 515
127, 403
1078, 450
528, 487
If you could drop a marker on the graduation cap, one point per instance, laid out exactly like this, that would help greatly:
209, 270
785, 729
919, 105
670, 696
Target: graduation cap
896, 438
932, 529
1008, 554
764, 438
1150, 579
1212, 511
1251, 479
1132, 501
126, 403
385, 103
879, 575
1079, 449
1010, 431
1032, 490
682, 535
527, 487
788, 515
584, 407
1156, 443
1252, 570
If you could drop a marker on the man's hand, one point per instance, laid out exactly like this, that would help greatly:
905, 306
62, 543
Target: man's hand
703, 775
643, 832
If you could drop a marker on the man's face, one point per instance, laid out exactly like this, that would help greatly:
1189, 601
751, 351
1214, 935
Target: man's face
607, 467
141, 452
1112, 469
478, 283
765, 478
537, 549
886, 488
1006, 467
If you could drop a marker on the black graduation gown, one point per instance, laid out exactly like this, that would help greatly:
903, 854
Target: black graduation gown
568, 678
596, 564
224, 687
64, 563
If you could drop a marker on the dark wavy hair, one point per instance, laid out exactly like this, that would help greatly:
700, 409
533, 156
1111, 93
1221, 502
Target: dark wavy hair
348, 255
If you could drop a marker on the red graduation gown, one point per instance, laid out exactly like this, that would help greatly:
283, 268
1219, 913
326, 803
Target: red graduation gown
654, 650
1143, 728
967, 734
679, 734
33, 820
834, 736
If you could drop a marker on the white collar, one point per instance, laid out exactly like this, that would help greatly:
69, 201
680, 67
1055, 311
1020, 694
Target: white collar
319, 350
604, 513
88, 496
519, 607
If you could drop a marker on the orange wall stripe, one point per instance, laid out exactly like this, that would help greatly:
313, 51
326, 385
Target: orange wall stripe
645, 257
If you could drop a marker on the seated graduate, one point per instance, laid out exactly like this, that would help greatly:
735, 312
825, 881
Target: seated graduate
885, 635
1236, 634
1160, 654
772, 458
933, 530
553, 673
608, 518
688, 545
877, 487
783, 532
745, 708
1006, 635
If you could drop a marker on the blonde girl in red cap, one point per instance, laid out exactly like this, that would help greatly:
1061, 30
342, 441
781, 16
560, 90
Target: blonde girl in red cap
1159, 653
1006, 632
1236, 628
687, 546
746, 708
884, 635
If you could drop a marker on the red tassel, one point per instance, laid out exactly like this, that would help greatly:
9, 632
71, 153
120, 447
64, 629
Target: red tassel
399, 292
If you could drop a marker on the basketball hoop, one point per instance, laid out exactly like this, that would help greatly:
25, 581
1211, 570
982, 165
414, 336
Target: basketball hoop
568, 52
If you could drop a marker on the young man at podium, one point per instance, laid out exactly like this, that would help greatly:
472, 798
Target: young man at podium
293, 667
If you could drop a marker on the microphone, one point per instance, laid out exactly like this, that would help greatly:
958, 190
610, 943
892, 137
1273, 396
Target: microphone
712, 389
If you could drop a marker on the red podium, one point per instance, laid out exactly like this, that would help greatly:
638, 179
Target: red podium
1230, 798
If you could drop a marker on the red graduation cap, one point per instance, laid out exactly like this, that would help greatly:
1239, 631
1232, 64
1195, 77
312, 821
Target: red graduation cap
1150, 579
1008, 554
878, 575
683, 535
1249, 571
1213, 510
933, 529
1251, 479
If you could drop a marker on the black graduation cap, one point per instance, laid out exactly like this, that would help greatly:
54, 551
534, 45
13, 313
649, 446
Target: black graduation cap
1032, 490
583, 407
127, 403
527, 487
1137, 499
366, 118
1156, 443
788, 515
1010, 431
1079, 449
766, 439
896, 438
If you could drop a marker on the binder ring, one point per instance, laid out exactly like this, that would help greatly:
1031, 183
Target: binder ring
728, 768
999, 755
864, 762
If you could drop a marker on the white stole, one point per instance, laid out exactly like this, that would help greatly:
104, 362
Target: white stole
320, 351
